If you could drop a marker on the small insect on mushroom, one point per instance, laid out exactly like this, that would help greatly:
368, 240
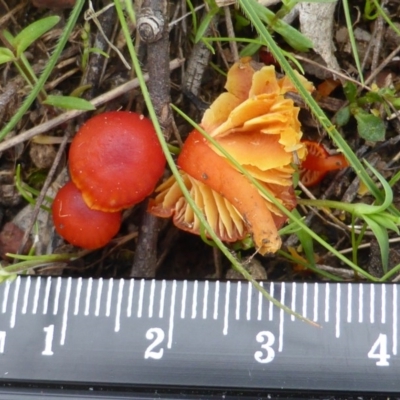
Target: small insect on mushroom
318, 163
78, 224
116, 160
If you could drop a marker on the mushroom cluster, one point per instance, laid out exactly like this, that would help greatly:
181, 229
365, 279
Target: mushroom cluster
259, 128
115, 162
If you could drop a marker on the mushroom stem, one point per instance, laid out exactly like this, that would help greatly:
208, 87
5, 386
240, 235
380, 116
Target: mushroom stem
199, 161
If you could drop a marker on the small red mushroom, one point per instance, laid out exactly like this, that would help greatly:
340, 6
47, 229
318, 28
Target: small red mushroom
318, 163
116, 160
78, 224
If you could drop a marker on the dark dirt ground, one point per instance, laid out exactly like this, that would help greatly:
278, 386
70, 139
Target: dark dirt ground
177, 254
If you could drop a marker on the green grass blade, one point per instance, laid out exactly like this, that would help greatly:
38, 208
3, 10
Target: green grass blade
352, 39
382, 237
33, 32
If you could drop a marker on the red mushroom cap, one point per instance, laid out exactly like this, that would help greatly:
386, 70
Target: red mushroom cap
116, 160
78, 224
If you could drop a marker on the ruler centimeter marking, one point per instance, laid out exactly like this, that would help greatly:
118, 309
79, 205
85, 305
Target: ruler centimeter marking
26, 294
281, 317
260, 303
151, 302
316, 298
183, 301
162, 298
65, 303
216, 299
205, 299
169, 303
77, 296
194, 300
383, 304
249, 297
394, 306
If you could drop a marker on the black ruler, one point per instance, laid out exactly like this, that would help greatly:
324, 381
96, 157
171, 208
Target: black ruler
198, 334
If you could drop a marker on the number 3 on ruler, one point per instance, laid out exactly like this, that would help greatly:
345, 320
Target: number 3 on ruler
267, 339
379, 351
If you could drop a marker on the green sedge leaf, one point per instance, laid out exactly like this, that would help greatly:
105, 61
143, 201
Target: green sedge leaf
354, 49
6, 276
343, 116
193, 14
130, 11
208, 45
96, 50
369, 126
296, 175
394, 179
240, 22
33, 32
386, 187
250, 49
382, 237
9, 36
385, 221
78, 92
362, 209
69, 103
289, 228
205, 23
6, 55
204, 238
291, 35
306, 241
370, 11
294, 60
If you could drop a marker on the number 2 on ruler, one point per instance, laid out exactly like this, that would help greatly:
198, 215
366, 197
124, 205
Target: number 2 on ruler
157, 335
379, 351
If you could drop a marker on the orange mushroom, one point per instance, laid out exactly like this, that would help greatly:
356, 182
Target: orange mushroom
201, 163
318, 163
259, 128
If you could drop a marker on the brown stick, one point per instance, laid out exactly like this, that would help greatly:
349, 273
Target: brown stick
153, 30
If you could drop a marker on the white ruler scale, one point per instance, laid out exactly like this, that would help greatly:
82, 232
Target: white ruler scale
198, 334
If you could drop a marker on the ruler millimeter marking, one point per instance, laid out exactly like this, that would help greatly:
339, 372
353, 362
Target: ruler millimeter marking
199, 334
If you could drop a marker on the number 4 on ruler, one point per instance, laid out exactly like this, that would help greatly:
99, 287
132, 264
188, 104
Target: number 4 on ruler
379, 351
